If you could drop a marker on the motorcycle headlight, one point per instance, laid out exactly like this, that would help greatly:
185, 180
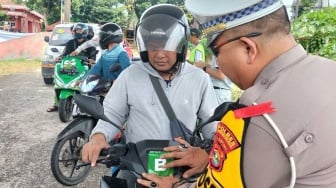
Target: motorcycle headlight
88, 86
48, 58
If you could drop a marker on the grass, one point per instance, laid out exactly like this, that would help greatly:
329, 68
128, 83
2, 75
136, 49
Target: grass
18, 65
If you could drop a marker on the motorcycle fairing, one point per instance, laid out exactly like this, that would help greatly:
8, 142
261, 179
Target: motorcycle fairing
84, 125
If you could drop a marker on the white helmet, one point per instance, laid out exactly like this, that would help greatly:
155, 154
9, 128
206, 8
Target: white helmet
226, 14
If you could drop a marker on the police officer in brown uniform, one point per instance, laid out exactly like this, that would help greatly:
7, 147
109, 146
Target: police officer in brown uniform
293, 146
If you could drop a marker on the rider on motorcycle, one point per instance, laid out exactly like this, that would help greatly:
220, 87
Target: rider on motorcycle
113, 55
109, 38
80, 32
162, 37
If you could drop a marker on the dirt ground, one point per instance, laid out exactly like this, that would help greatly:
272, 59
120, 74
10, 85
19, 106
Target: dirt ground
28, 133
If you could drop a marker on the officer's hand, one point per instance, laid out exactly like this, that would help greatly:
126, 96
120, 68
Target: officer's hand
74, 53
185, 156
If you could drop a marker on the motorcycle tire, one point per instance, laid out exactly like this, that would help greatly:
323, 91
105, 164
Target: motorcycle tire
65, 156
65, 109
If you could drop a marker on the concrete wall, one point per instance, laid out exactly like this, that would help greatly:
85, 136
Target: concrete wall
32, 46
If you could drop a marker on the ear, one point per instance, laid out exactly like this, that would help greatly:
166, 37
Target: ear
251, 48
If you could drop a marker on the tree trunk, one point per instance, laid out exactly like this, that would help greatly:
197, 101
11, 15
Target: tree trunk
297, 8
67, 11
45, 20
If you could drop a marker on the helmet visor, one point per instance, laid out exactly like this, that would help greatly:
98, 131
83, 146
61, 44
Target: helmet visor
161, 32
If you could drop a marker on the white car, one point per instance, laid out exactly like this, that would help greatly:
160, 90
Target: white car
57, 41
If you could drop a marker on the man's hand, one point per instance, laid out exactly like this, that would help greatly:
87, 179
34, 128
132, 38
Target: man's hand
186, 157
201, 64
91, 150
92, 61
161, 182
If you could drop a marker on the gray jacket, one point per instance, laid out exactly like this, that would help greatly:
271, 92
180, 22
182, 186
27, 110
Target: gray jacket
301, 89
133, 98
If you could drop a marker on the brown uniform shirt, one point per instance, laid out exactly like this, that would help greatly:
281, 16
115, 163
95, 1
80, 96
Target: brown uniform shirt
302, 89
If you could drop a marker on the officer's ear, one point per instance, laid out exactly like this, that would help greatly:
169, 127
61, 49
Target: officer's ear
251, 48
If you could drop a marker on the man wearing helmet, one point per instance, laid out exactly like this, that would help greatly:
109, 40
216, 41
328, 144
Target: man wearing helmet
94, 42
109, 38
291, 147
80, 32
162, 36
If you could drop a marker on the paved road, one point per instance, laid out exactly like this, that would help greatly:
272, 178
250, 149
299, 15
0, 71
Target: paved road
28, 133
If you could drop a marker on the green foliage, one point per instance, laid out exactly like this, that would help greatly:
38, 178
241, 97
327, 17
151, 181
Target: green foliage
83, 10
3, 16
100, 10
141, 6
204, 42
316, 32
118, 11
306, 5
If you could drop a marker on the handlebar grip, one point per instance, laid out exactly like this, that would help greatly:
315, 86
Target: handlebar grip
116, 149
104, 152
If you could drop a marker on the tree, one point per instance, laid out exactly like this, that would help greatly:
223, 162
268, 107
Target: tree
82, 10
3, 16
316, 30
100, 10
302, 6
141, 6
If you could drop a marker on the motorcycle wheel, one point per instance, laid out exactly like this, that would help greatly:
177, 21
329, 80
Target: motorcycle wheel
65, 109
64, 158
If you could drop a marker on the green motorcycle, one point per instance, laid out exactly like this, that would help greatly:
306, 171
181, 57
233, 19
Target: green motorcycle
68, 73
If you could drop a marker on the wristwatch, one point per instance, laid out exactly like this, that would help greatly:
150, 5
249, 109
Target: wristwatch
204, 68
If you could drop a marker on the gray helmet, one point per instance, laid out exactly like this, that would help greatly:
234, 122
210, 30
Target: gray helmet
165, 23
110, 32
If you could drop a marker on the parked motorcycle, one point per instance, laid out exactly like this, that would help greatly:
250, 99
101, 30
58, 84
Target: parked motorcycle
67, 75
66, 151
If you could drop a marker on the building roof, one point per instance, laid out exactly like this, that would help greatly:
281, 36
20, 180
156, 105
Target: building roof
13, 7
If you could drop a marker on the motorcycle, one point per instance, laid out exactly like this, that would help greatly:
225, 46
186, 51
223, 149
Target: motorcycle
143, 156
66, 151
66, 164
68, 73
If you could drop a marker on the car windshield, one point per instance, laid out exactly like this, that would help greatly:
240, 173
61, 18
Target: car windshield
60, 36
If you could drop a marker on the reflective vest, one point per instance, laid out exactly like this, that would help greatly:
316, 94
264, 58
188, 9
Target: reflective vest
225, 167
198, 48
